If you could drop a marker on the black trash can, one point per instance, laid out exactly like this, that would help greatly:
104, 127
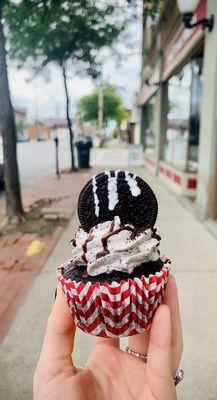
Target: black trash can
83, 146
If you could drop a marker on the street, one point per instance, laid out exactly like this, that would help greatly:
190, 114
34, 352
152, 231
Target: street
37, 159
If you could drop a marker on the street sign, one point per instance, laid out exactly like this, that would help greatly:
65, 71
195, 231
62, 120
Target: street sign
136, 157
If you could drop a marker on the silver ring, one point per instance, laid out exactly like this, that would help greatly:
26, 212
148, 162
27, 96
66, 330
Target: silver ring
135, 354
178, 376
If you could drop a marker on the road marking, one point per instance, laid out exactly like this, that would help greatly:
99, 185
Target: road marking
34, 247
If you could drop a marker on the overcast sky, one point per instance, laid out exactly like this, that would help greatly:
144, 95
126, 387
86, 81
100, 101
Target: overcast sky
44, 98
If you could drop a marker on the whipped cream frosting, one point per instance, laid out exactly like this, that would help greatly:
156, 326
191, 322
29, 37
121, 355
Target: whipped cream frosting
111, 246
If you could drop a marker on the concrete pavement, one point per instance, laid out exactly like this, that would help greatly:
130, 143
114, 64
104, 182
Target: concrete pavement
24, 251
193, 253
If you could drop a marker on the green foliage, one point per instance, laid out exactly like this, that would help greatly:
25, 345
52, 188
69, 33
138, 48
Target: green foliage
171, 105
20, 127
151, 8
56, 30
113, 109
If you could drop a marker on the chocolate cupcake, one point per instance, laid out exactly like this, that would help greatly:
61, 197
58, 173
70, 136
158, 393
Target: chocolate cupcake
116, 277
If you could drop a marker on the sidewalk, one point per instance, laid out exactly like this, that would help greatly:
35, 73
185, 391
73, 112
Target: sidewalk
193, 252
23, 254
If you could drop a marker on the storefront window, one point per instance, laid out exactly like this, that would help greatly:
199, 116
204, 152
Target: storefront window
150, 123
179, 95
184, 98
196, 94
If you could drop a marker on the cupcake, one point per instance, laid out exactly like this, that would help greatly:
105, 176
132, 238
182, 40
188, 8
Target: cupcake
116, 276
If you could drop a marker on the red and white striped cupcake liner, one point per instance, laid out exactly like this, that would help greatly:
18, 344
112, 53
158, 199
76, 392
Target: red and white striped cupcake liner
115, 309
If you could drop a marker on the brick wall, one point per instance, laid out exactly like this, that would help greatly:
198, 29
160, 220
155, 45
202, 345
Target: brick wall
34, 131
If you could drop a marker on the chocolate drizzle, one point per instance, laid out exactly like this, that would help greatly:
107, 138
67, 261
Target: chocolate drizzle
135, 231
112, 232
84, 258
112, 226
155, 235
102, 253
73, 242
84, 246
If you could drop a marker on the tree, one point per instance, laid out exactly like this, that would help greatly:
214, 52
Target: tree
113, 109
58, 31
8, 130
151, 8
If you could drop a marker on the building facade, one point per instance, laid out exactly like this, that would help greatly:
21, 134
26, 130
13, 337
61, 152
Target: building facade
178, 104
20, 115
48, 129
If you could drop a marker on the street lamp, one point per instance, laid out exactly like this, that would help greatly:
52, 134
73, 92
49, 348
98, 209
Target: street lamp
187, 8
56, 142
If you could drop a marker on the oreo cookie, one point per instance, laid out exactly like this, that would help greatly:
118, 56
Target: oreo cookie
118, 193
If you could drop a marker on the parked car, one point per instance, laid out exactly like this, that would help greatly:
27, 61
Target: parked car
2, 181
42, 137
22, 137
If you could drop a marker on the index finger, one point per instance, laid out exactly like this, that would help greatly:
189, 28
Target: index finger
59, 336
159, 371
171, 299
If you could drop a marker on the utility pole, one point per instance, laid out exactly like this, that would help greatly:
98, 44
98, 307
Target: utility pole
100, 112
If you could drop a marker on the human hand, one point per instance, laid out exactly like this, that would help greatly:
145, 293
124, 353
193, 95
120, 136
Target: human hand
110, 373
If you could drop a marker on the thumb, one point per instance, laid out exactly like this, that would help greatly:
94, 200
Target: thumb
159, 369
